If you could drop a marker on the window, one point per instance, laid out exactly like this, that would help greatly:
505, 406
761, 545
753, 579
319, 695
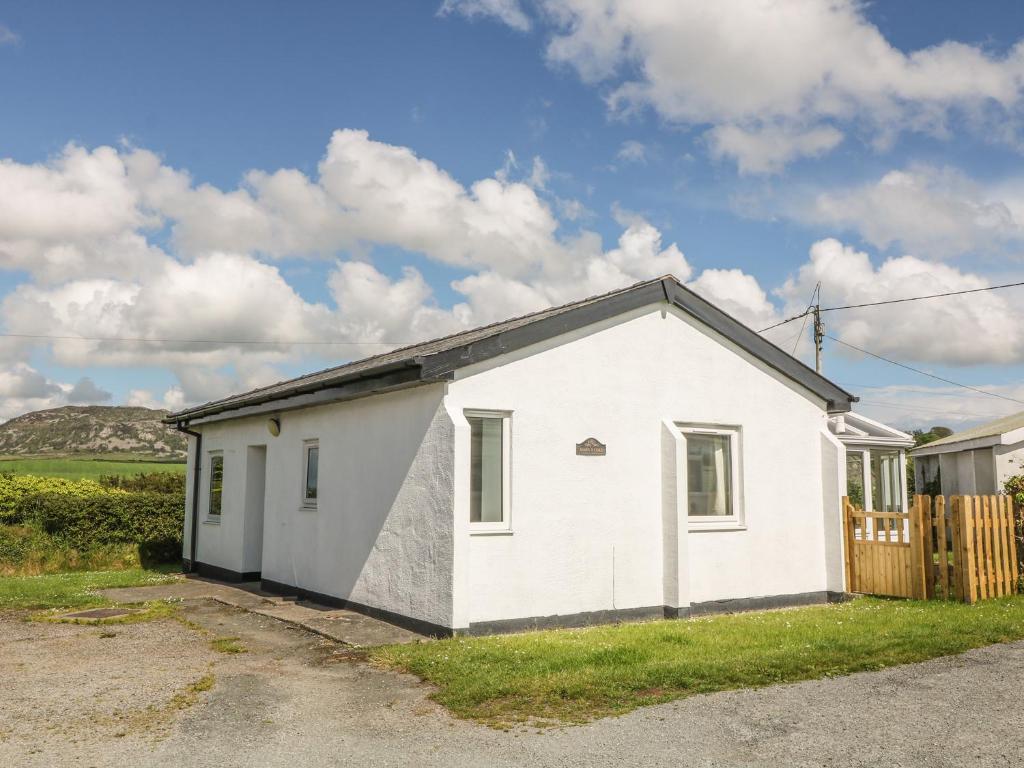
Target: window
311, 474
216, 483
712, 467
885, 481
488, 476
855, 477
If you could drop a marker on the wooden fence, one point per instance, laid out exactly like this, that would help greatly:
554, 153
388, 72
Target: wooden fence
964, 549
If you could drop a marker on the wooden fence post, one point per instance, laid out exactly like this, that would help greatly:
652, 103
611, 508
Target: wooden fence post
918, 566
1014, 544
958, 553
848, 543
968, 560
1003, 569
941, 545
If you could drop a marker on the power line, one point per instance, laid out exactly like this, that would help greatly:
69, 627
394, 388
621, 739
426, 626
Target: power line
194, 341
815, 292
920, 298
897, 390
884, 404
923, 373
894, 301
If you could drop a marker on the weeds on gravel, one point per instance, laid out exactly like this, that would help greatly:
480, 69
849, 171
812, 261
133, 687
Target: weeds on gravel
576, 675
227, 645
150, 611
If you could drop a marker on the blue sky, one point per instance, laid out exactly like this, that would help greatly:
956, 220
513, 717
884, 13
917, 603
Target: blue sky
913, 170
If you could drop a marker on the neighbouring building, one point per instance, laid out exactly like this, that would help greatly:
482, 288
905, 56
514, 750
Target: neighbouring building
636, 454
973, 462
876, 462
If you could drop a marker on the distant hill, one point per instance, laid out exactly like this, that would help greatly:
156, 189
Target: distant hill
91, 429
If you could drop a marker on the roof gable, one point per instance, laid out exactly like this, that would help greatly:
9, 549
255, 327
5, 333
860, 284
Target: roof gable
437, 360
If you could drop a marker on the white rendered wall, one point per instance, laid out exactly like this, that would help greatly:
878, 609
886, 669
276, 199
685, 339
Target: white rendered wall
1009, 461
587, 531
381, 533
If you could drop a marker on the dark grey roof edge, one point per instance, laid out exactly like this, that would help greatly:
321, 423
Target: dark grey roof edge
438, 359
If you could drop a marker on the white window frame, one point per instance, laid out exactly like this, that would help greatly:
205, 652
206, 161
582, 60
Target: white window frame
505, 526
308, 503
210, 517
737, 520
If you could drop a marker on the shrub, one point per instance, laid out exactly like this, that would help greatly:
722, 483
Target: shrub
156, 482
15, 488
84, 522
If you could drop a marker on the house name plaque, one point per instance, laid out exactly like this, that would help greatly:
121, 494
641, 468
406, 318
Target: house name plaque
591, 447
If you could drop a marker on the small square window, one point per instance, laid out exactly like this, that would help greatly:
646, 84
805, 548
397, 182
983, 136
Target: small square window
216, 484
311, 473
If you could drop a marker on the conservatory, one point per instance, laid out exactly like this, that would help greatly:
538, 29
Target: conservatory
876, 462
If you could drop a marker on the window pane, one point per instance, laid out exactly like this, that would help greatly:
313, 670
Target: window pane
885, 486
216, 483
312, 470
855, 478
485, 470
709, 474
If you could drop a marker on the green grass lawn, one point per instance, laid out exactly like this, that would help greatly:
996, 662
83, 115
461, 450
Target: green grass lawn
75, 590
572, 676
85, 468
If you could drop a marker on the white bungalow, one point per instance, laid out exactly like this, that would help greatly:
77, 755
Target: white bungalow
635, 454
977, 461
876, 462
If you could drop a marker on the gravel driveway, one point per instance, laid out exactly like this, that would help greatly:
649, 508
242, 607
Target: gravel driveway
75, 698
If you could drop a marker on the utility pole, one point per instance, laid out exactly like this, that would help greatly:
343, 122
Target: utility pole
819, 336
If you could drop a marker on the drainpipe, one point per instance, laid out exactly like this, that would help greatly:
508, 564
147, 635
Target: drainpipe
195, 492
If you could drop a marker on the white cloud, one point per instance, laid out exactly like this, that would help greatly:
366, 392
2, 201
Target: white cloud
214, 283
981, 328
769, 148
507, 11
773, 79
934, 212
23, 388
85, 224
632, 151
85, 391
172, 399
8, 36
77, 215
922, 407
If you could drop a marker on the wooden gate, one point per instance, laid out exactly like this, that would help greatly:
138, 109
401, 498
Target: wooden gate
965, 549
878, 553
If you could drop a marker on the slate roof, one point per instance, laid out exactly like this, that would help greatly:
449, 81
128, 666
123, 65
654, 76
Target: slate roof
437, 359
991, 429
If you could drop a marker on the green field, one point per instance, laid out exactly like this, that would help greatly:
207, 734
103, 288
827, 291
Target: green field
85, 467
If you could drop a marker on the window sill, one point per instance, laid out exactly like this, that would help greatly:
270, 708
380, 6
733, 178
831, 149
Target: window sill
724, 525
307, 507
491, 532
211, 521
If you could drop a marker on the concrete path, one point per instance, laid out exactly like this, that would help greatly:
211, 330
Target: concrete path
348, 627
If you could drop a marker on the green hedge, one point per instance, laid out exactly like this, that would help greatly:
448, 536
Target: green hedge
151, 520
14, 489
51, 515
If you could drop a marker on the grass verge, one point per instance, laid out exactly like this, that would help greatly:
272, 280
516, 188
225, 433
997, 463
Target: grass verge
75, 590
572, 676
